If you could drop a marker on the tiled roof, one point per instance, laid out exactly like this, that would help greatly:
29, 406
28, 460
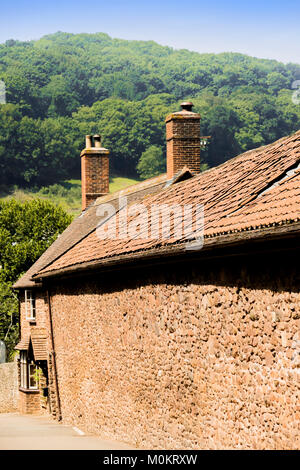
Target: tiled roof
38, 337
248, 192
23, 345
39, 345
279, 205
86, 223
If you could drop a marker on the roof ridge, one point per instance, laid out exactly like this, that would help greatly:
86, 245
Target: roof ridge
255, 149
139, 187
222, 189
102, 222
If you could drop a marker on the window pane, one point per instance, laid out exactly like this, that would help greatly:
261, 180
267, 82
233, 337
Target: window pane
33, 376
33, 307
30, 304
24, 376
23, 371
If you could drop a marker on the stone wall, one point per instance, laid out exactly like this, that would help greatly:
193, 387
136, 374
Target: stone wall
8, 387
204, 355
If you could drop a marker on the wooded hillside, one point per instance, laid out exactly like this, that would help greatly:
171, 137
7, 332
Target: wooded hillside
64, 85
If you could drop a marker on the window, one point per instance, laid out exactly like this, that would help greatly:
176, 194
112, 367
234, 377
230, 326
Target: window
30, 305
29, 372
23, 362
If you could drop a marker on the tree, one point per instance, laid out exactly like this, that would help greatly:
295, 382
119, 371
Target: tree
151, 163
8, 317
219, 121
60, 101
65, 85
26, 231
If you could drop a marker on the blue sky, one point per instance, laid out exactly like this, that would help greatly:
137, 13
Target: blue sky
267, 29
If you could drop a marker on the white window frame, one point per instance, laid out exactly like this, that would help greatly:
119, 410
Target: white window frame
26, 372
36, 372
30, 310
23, 369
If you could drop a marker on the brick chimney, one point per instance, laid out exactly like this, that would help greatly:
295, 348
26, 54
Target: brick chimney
94, 170
183, 140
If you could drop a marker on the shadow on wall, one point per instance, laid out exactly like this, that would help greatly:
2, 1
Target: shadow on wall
274, 270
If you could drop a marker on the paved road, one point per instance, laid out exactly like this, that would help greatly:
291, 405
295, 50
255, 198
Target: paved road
19, 432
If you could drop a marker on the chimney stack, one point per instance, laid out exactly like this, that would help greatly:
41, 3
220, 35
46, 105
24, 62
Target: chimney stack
183, 140
94, 170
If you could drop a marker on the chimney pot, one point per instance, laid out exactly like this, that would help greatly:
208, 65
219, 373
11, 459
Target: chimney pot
88, 141
97, 140
186, 105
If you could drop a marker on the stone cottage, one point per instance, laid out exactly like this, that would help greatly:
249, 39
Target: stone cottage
173, 331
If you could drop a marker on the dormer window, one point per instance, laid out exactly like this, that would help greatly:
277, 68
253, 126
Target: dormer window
30, 305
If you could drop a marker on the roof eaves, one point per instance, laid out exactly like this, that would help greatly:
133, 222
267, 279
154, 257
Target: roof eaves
26, 281
221, 240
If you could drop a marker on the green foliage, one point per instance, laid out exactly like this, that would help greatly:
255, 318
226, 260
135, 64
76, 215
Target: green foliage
9, 330
117, 183
26, 231
67, 193
65, 85
151, 163
34, 151
128, 128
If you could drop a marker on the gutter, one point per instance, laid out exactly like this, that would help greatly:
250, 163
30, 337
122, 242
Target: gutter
52, 352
